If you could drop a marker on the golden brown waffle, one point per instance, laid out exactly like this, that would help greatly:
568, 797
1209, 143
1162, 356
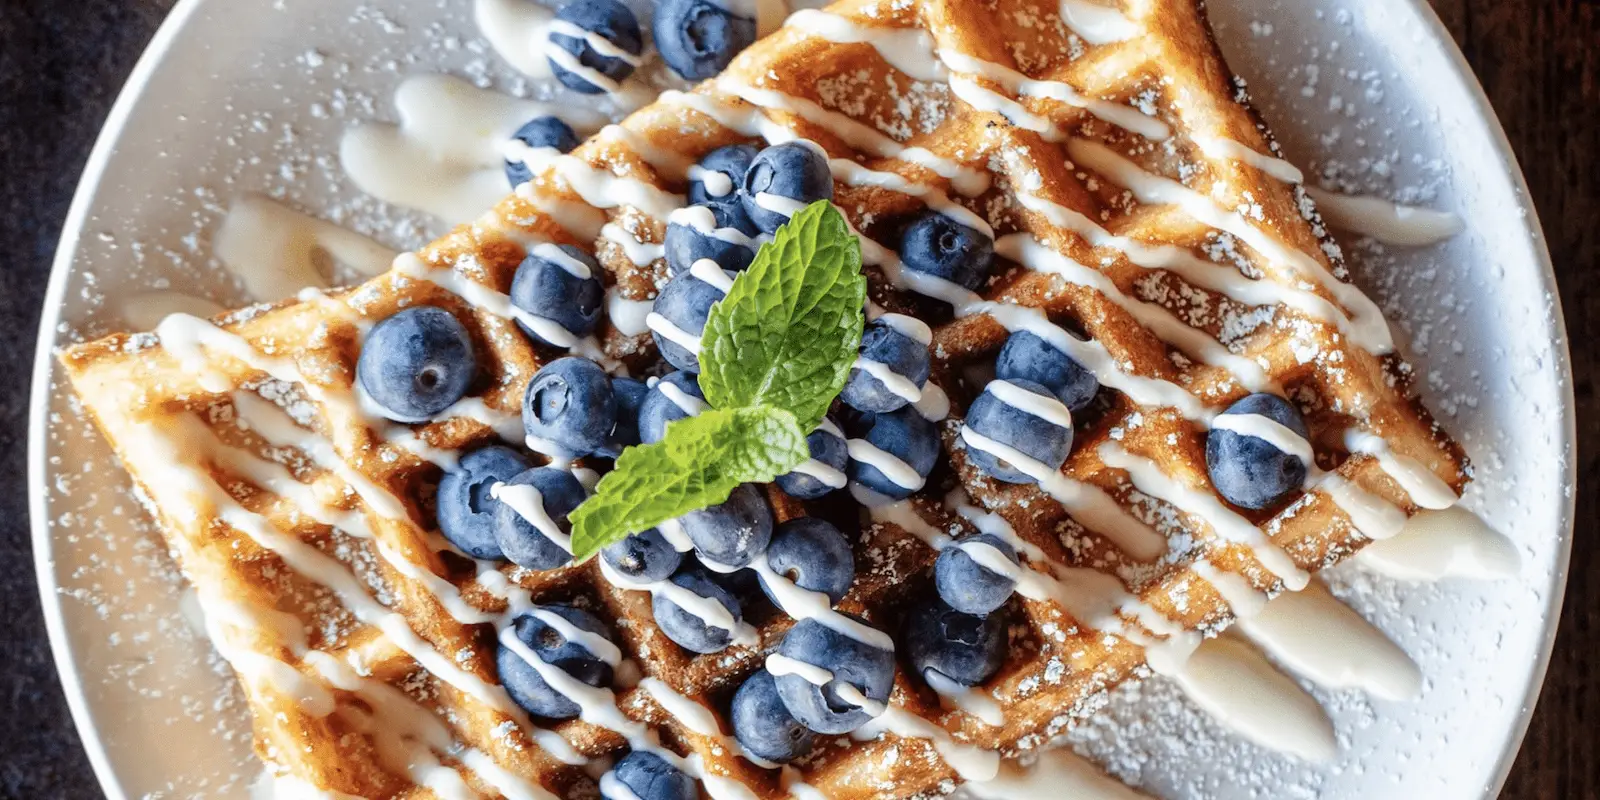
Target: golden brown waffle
362, 640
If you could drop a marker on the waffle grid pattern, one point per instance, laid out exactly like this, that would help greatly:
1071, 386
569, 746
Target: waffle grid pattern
360, 637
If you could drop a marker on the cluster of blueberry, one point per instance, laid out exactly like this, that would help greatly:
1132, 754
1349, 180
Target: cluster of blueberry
696, 39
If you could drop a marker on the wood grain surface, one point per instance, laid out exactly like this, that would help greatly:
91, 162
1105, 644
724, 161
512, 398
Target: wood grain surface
61, 64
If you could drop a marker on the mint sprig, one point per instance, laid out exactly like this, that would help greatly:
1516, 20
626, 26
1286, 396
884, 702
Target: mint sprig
787, 333
775, 352
699, 463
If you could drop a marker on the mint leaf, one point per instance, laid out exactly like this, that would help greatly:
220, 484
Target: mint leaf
699, 463
787, 333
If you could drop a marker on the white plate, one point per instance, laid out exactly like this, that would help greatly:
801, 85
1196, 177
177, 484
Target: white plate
252, 96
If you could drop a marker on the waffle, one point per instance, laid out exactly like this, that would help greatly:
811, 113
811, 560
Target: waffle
1133, 198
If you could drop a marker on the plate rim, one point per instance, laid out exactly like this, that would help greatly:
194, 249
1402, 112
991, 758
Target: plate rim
112, 129
1533, 229
44, 370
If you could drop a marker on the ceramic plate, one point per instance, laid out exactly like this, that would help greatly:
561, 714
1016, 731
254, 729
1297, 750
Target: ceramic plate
1369, 96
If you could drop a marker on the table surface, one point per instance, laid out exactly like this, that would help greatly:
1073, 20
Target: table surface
61, 65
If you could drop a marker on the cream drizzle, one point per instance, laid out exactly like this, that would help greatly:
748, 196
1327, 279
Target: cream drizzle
1385, 220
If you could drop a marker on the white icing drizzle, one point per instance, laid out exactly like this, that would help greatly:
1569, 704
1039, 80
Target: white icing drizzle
1148, 478
1233, 683
896, 470
707, 610
1097, 24
598, 187
968, 700
910, 327
1229, 150
274, 249
514, 28
642, 254
897, 384
145, 310
802, 604
627, 316
484, 298
529, 504
1023, 248
555, 255
596, 42
716, 182
1385, 220
1425, 487
1088, 504
1373, 516
826, 474
1268, 430
1058, 773
909, 50
970, 762
1156, 190
778, 204
1218, 278
707, 271
687, 403
1319, 637
1434, 545
1045, 407
670, 331
966, 180
445, 157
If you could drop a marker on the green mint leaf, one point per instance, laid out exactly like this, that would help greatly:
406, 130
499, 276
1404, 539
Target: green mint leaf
699, 463
787, 333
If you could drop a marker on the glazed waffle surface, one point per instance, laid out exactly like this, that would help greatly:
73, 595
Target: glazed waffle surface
1133, 199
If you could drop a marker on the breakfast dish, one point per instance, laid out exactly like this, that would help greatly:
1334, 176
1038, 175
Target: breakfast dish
1111, 393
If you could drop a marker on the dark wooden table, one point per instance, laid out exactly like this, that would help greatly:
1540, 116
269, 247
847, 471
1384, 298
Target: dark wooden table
62, 63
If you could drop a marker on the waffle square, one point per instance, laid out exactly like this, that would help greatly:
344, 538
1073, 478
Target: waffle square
1133, 198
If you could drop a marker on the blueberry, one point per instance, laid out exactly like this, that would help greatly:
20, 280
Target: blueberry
524, 683
647, 776
465, 508
416, 363
821, 708
1027, 356
1009, 412
645, 557
828, 450
966, 582
630, 395
672, 398
731, 162
548, 132
939, 246
965, 648
679, 317
789, 173
813, 554
569, 408
906, 438
724, 236
556, 285
733, 532
899, 352
608, 19
1251, 472
764, 726
530, 525
697, 38
690, 631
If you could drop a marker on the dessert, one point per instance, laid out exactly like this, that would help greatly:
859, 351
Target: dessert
1016, 213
